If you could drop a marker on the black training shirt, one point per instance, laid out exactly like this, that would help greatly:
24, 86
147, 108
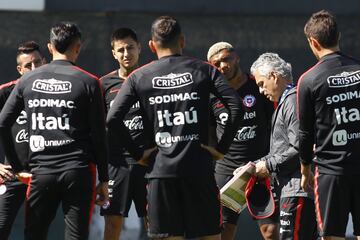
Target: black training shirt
19, 129
173, 93
251, 141
118, 156
329, 114
66, 119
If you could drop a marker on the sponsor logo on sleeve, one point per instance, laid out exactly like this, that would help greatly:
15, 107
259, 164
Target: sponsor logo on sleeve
344, 79
22, 119
21, 136
249, 101
51, 86
172, 80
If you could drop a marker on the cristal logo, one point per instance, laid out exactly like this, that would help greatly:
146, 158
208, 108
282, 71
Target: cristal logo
344, 79
51, 86
339, 138
21, 136
37, 143
172, 81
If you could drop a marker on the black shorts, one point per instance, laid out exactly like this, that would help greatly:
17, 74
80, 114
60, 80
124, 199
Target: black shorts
188, 207
74, 189
10, 203
126, 185
297, 219
231, 217
335, 198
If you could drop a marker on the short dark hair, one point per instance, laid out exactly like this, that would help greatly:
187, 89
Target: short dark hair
322, 26
63, 34
165, 31
26, 48
122, 33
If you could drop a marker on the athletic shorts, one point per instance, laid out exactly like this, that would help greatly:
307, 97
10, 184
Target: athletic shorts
231, 217
188, 207
126, 185
335, 198
297, 219
10, 203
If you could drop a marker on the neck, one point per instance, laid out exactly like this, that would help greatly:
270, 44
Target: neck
326, 51
67, 57
125, 72
167, 52
239, 79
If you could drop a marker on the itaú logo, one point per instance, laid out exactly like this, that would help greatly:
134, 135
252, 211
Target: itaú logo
51, 86
173, 80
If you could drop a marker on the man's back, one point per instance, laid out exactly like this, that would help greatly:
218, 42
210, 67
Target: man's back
62, 105
329, 94
174, 94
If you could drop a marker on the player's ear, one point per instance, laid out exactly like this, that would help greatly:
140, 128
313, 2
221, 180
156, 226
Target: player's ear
49, 46
182, 41
315, 43
152, 46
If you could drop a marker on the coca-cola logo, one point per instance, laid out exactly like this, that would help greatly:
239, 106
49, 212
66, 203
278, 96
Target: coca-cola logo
22, 136
245, 134
135, 123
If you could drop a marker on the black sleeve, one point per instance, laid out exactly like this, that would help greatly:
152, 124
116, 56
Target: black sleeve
4, 94
8, 115
98, 134
287, 162
115, 126
231, 100
306, 121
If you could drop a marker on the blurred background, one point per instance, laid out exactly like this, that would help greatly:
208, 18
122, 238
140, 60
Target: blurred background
252, 26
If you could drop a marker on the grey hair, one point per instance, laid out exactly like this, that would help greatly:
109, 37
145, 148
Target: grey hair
268, 62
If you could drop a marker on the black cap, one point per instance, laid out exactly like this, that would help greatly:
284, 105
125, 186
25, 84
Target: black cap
259, 198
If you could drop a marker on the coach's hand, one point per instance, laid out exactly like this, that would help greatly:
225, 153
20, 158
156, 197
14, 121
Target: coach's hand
144, 160
216, 155
6, 173
307, 178
261, 170
103, 193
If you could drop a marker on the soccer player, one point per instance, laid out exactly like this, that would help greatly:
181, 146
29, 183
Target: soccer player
173, 93
297, 210
329, 116
66, 124
126, 177
251, 141
28, 58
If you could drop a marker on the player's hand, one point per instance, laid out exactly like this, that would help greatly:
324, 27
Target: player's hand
144, 161
216, 155
6, 173
307, 178
24, 177
103, 194
261, 171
